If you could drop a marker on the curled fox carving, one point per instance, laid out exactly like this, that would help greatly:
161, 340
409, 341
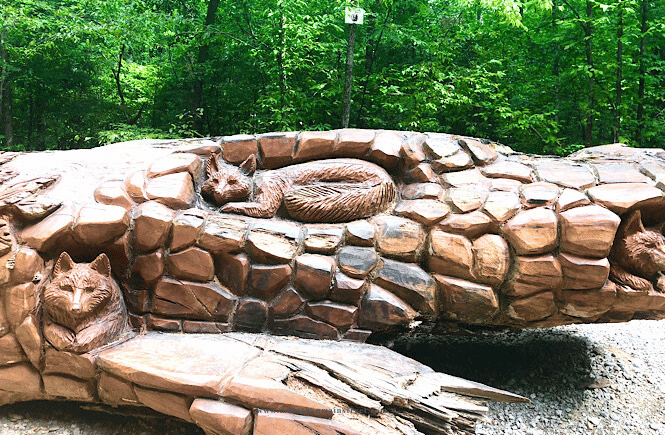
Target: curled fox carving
638, 256
83, 306
335, 190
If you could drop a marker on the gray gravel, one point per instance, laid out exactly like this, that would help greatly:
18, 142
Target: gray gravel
581, 379
606, 379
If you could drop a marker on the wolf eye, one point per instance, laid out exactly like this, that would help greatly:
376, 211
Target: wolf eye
89, 289
232, 181
66, 287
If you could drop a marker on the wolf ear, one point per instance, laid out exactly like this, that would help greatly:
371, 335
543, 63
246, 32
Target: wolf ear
64, 264
248, 167
102, 265
212, 166
634, 224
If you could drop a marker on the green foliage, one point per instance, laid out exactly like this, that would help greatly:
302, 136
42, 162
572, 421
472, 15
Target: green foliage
533, 74
124, 132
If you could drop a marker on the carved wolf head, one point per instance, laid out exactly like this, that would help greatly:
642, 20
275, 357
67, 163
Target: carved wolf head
644, 249
228, 183
78, 292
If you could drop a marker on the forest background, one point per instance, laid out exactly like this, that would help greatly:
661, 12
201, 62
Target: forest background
543, 76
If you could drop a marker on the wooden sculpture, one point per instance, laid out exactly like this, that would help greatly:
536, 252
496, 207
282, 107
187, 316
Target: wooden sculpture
638, 256
348, 235
83, 307
336, 190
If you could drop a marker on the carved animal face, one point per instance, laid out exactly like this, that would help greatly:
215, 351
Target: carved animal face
228, 183
5, 237
645, 248
78, 291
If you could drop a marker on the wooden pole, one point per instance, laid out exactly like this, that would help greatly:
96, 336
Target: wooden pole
348, 80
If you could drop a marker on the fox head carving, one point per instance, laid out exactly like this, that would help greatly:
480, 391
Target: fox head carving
83, 306
228, 183
644, 250
78, 291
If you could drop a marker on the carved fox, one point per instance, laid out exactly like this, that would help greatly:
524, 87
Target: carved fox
335, 190
638, 255
83, 306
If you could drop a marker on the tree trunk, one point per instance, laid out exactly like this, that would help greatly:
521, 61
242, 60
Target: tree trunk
3, 68
591, 80
619, 83
281, 73
118, 84
370, 57
31, 120
348, 77
204, 54
129, 119
556, 67
8, 114
639, 136
6, 95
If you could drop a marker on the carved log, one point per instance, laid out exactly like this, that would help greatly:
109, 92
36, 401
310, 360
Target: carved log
346, 235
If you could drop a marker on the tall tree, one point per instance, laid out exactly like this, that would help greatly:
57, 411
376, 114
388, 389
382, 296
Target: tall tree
619, 75
644, 27
591, 79
6, 94
202, 59
348, 76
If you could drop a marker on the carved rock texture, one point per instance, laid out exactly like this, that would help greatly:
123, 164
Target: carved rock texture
442, 228
588, 231
152, 222
532, 232
348, 234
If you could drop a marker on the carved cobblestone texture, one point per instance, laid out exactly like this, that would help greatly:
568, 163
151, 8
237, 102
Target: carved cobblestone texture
466, 233
520, 224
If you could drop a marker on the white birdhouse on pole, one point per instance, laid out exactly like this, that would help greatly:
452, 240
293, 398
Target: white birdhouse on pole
354, 15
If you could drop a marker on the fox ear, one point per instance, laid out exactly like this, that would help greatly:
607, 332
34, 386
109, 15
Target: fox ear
248, 167
64, 264
212, 166
102, 265
661, 228
634, 224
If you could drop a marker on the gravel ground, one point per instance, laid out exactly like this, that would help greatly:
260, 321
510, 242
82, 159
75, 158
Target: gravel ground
606, 379
581, 379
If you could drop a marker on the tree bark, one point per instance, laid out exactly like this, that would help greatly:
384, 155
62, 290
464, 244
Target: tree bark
639, 136
370, 57
118, 84
3, 67
129, 119
281, 70
348, 77
619, 78
8, 114
591, 80
556, 66
203, 56
6, 95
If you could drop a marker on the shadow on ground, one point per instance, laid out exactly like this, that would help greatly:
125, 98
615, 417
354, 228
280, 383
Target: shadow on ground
526, 362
